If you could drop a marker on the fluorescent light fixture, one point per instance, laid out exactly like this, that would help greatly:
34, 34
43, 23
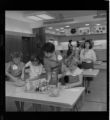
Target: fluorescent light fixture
97, 24
67, 26
57, 29
61, 28
45, 16
50, 27
62, 31
34, 18
87, 24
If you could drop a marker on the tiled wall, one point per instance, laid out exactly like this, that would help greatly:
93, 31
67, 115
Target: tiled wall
75, 38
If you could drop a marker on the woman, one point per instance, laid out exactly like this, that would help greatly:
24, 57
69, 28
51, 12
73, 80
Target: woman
52, 62
14, 71
87, 57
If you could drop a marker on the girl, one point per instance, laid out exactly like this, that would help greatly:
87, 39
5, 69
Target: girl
35, 68
13, 71
71, 73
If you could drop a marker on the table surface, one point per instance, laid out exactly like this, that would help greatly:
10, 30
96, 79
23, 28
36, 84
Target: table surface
67, 97
91, 72
103, 65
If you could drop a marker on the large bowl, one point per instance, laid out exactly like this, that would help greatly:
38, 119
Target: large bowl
54, 92
19, 83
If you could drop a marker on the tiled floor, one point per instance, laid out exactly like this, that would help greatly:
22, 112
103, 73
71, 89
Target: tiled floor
95, 101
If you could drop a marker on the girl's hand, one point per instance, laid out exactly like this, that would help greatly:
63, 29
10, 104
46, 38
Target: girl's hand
22, 76
27, 79
67, 86
15, 79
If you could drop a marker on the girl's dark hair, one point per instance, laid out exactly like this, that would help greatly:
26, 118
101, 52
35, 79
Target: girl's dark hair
49, 47
16, 55
83, 38
90, 43
35, 58
78, 44
61, 51
70, 41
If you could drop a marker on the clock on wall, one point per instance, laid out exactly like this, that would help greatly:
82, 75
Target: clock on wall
73, 30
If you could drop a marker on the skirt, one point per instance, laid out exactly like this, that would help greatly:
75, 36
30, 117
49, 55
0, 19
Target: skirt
85, 65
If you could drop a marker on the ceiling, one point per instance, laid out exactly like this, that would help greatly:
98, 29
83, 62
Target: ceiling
21, 15
80, 17
72, 13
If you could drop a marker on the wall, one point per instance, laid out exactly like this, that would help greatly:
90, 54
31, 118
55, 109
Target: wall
14, 30
12, 43
75, 38
101, 52
17, 26
21, 26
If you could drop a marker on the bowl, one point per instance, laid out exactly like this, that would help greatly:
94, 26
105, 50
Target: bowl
54, 92
19, 83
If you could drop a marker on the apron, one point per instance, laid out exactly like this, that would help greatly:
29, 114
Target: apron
15, 72
86, 65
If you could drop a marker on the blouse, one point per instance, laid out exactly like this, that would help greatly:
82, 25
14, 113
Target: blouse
34, 70
15, 70
90, 54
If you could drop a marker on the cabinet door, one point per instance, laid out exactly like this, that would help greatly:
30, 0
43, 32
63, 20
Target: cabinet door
26, 48
12, 44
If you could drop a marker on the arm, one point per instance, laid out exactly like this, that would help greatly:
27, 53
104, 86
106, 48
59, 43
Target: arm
22, 75
71, 85
47, 67
48, 76
23, 69
8, 74
81, 56
41, 69
94, 56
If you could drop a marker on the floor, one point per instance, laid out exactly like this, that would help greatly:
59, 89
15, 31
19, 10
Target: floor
95, 101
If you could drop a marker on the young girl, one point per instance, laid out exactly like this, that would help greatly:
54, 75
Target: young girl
71, 73
35, 68
13, 71
14, 67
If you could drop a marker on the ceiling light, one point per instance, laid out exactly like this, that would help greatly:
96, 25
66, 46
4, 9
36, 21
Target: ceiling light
34, 18
67, 26
57, 29
50, 27
97, 24
61, 28
87, 24
45, 16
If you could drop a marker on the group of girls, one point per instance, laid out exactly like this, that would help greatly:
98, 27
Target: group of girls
69, 72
